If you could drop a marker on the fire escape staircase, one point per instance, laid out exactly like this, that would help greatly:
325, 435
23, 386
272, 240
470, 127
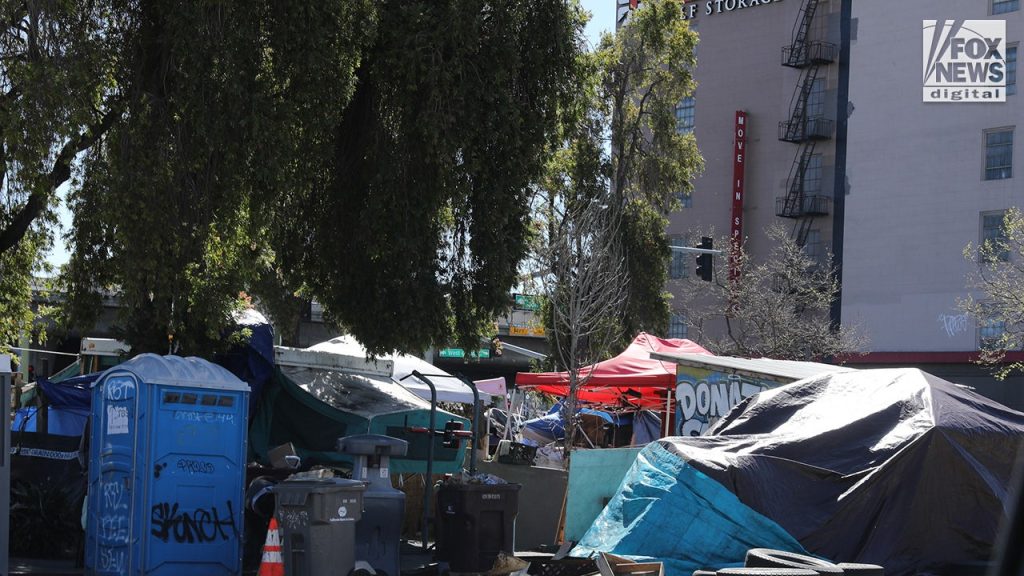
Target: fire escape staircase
810, 57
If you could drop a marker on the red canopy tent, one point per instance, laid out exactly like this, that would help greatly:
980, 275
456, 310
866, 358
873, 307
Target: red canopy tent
632, 377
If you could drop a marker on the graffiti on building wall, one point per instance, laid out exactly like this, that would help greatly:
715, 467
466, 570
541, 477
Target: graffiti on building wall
954, 324
703, 396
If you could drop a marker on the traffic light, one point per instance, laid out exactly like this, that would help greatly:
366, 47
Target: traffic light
705, 265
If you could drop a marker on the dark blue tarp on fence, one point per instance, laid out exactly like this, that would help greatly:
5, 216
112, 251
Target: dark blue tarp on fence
252, 359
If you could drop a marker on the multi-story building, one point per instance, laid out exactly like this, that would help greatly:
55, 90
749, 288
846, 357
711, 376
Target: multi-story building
841, 146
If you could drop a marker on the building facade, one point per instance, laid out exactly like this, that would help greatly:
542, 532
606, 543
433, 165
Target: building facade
842, 149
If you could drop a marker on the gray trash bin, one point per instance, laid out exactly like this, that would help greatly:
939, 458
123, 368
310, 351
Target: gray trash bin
379, 532
318, 525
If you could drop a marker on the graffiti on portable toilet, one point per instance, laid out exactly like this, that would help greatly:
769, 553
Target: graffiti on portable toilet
703, 396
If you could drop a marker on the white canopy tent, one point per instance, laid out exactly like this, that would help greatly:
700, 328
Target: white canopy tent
449, 388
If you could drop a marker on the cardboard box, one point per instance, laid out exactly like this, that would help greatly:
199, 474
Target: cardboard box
612, 565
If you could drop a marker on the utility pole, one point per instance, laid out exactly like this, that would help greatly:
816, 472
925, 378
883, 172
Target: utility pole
5, 461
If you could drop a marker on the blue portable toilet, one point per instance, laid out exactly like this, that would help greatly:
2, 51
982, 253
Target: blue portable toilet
166, 469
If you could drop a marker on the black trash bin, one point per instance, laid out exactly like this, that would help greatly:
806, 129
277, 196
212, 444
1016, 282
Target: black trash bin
318, 525
474, 523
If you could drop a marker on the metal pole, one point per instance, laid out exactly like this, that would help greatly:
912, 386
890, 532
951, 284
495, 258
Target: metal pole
5, 461
428, 489
668, 413
689, 250
473, 425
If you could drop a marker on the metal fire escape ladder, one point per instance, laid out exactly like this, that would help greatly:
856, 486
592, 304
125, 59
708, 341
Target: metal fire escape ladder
793, 206
801, 31
808, 56
801, 229
796, 128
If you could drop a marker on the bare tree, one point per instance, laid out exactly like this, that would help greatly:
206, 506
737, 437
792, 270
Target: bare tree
586, 292
775, 308
612, 177
999, 285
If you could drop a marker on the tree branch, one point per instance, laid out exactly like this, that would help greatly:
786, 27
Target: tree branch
60, 173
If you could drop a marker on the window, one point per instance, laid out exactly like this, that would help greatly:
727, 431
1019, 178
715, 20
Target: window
990, 332
812, 176
999, 154
316, 311
993, 233
677, 327
816, 100
685, 115
1004, 6
677, 268
685, 199
1011, 69
814, 248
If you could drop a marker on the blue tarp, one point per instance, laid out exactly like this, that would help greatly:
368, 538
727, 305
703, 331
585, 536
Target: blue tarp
61, 421
70, 393
646, 428
252, 360
551, 427
69, 402
667, 511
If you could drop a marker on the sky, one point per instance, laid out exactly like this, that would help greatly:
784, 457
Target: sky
602, 19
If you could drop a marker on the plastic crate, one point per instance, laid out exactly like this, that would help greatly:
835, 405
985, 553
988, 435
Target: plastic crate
518, 454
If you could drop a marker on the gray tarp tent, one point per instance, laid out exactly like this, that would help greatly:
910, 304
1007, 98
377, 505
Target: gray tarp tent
894, 467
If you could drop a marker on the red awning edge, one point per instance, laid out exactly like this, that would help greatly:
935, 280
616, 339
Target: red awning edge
632, 377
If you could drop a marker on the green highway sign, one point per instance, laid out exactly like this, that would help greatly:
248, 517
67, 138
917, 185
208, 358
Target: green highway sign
460, 353
527, 302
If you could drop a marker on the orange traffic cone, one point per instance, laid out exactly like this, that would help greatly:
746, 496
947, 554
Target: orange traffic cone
272, 563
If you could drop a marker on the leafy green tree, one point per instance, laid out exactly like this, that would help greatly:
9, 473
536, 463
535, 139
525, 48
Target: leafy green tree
617, 172
226, 108
56, 60
375, 156
773, 308
621, 147
423, 217
647, 71
998, 299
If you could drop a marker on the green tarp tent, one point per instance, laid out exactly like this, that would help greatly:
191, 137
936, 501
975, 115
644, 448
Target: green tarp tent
312, 407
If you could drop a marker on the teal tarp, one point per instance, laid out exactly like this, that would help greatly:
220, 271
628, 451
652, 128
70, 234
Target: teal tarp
667, 511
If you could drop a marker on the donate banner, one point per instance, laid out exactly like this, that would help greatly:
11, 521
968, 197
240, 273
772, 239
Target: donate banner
703, 396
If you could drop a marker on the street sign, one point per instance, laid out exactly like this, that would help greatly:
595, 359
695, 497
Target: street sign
527, 302
460, 353
526, 330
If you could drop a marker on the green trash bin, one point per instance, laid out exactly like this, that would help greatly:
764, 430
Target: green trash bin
318, 525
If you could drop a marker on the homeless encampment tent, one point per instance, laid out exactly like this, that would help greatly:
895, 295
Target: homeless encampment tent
893, 467
49, 456
311, 404
448, 388
632, 378
251, 355
600, 429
